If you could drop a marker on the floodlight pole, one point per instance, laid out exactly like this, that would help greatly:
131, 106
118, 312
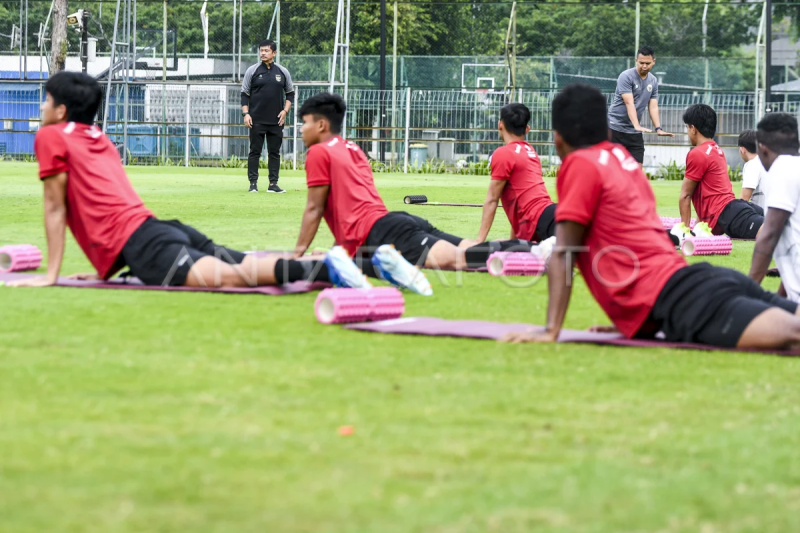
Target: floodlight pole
85, 42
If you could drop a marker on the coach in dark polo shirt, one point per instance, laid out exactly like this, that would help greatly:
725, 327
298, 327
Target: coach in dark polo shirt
267, 93
637, 90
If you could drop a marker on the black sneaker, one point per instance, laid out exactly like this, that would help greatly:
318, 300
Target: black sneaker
273, 187
253, 187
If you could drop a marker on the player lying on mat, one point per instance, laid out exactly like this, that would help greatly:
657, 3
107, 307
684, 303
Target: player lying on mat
708, 187
638, 279
517, 179
778, 145
86, 188
342, 190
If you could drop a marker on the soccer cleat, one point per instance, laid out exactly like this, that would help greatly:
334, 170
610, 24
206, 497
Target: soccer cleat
701, 229
393, 267
680, 231
253, 187
545, 249
273, 187
343, 272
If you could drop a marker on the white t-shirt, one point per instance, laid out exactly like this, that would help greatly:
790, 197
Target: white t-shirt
784, 193
753, 175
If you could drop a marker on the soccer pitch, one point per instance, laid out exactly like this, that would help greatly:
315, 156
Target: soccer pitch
125, 411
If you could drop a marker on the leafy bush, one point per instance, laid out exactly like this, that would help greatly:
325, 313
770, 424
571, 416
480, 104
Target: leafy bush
550, 172
670, 172
233, 162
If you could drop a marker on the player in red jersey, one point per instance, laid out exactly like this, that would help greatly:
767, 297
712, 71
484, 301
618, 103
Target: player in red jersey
638, 279
517, 180
87, 190
707, 185
341, 190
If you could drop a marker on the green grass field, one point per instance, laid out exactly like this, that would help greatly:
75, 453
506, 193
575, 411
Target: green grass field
160, 412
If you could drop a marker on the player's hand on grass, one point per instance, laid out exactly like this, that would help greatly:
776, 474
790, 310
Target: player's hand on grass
35, 281
248, 121
662, 133
86, 276
642, 129
517, 337
282, 118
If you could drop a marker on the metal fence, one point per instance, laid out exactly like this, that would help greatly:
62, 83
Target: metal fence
445, 44
200, 123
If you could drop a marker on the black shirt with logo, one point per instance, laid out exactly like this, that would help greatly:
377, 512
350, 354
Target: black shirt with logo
265, 90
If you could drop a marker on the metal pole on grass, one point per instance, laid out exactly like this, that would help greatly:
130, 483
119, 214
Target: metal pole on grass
111, 67
21, 22
382, 118
278, 32
394, 84
408, 128
768, 58
24, 36
638, 20
239, 61
186, 136
233, 44
294, 128
134, 39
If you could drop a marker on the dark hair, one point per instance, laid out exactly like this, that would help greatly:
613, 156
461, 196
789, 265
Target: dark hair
579, 115
270, 43
646, 51
328, 106
747, 140
516, 118
778, 132
703, 117
78, 92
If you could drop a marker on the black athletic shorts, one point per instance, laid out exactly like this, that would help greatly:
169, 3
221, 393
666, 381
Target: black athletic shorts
740, 220
711, 305
161, 252
411, 235
546, 227
634, 142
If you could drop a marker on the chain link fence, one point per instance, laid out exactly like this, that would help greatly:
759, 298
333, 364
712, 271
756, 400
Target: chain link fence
446, 78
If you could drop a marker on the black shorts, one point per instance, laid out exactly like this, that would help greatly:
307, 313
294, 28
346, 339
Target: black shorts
634, 142
546, 227
161, 252
711, 305
411, 235
740, 220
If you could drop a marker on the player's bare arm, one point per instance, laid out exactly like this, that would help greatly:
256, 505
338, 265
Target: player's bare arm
652, 108
766, 241
629, 105
490, 207
55, 223
685, 200
312, 215
570, 237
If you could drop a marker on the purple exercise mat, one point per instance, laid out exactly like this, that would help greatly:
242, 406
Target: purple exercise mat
476, 329
297, 287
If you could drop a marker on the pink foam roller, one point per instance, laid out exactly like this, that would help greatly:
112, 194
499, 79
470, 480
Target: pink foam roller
336, 306
515, 264
718, 245
669, 222
19, 257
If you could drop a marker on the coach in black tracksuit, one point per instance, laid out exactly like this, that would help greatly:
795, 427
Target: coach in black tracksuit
267, 93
